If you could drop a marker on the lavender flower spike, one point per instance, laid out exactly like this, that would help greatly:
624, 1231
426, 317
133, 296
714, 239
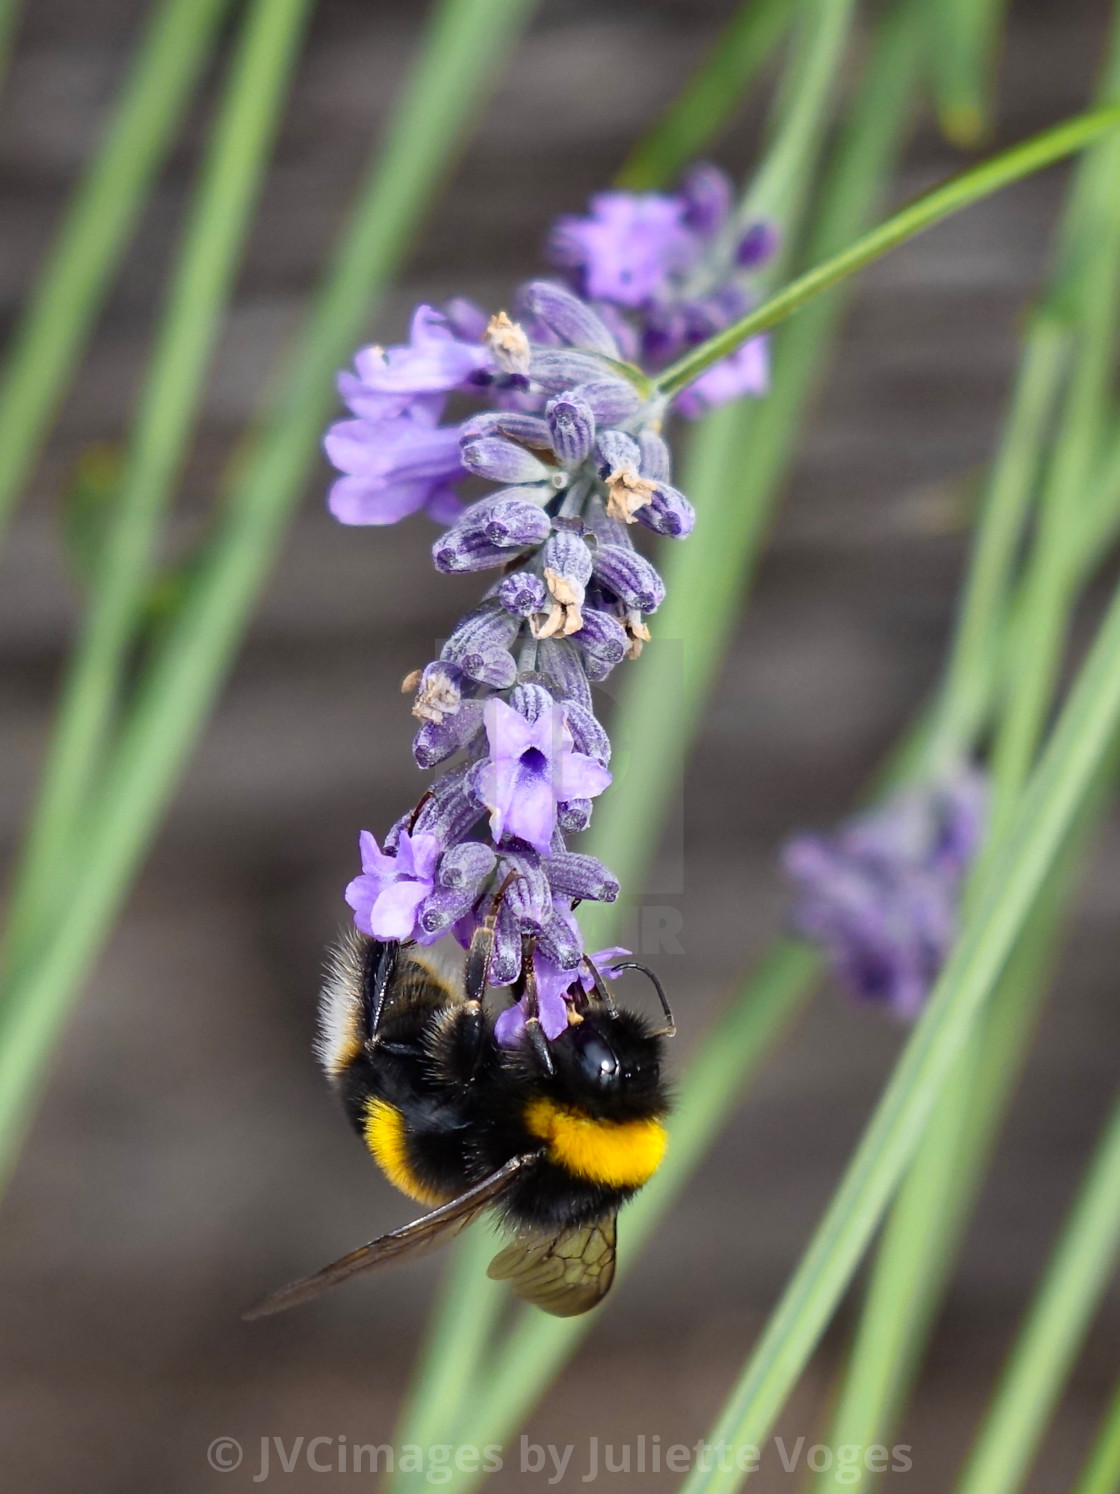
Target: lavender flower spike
570, 433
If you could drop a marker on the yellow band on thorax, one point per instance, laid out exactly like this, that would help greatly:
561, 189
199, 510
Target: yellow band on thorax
387, 1138
617, 1154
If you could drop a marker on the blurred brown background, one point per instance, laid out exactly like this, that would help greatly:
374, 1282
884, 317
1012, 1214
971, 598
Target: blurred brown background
187, 1155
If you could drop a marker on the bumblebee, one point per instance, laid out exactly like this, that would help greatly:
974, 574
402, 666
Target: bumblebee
553, 1136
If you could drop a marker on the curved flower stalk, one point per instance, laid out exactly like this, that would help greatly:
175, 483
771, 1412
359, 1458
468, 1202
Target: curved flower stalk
570, 437
881, 894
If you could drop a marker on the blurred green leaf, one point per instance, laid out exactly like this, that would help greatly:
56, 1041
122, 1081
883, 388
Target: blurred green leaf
708, 102
88, 502
47, 347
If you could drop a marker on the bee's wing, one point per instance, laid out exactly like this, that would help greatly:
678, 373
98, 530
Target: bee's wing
566, 1274
422, 1234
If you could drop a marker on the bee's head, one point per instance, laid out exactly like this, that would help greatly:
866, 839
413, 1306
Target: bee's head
610, 1064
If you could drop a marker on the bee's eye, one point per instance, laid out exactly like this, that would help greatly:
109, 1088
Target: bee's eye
597, 1059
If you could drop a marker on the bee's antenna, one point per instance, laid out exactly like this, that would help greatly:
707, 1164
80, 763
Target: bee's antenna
670, 1029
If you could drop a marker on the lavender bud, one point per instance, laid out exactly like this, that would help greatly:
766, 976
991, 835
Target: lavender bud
531, 701
443, 907
574, 815
630, 576
505, 964
530, 430
569, 317
480, 647
438, 740
560, 662
466, 319
707, 194
610, 399
572, 428
501, 460
455, 555
523, 593
449, 813
588, 736
668, 512
556, 369
758, 244
567, 556
495, 667
615, 450
603, 636
529, 898
512, 524
490, 527
465, 867
576, 876
485, 628
559, 944
597, 667
656, 463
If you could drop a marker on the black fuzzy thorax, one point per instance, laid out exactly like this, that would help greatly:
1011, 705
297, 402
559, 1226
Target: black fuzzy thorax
464, 1097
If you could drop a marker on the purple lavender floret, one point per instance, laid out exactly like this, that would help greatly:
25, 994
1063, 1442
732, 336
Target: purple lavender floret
882, 893
551, 411
667, 271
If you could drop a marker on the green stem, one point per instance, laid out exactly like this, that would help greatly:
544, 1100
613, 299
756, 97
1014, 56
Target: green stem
1055, 1327
468, 38
709, 100
960, 192
1102, 1471
1048, 809
50, 338
191, 324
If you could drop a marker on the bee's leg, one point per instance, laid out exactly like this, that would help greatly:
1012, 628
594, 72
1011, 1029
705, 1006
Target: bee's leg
534, 1032
378, 980
476, 977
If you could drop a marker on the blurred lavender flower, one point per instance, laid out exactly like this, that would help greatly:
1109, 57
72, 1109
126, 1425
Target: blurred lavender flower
667, 271
570, 436
882, 893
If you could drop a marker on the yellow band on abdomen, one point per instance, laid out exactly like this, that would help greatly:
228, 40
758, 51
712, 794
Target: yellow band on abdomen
387, 1138
617, 1154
